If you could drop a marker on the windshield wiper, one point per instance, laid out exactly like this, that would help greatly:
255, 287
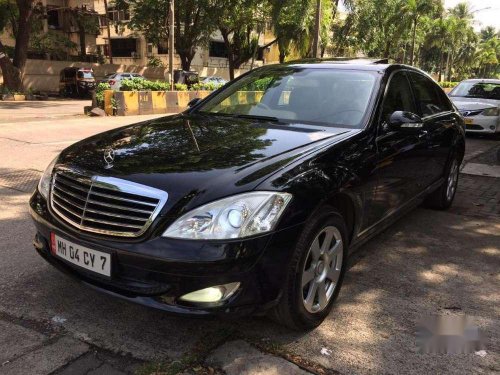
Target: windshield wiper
237, 115
257, 117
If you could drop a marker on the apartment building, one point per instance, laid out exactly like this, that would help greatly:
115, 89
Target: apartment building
131, 48
60, 20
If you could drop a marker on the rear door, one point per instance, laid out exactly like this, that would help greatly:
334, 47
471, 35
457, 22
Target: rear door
439, 119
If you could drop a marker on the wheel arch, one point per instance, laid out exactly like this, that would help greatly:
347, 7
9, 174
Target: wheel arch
344, 204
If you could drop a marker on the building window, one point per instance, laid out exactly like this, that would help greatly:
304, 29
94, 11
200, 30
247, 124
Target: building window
217, 49
260, 54
116, 15
124, 47
163, 47
103, 21
53, 19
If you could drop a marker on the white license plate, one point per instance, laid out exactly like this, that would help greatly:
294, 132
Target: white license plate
92, 260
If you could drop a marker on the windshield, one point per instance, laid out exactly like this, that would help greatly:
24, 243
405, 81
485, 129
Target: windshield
85, 74
481, 90
307, 95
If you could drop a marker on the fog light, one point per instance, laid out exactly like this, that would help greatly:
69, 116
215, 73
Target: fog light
213, 294
492, 127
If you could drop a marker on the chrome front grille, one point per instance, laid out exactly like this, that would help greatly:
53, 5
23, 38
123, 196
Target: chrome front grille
105, 205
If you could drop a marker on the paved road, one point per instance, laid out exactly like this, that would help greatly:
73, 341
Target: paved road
17, 112
427, 263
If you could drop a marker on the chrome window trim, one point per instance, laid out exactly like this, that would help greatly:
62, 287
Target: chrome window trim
110, 183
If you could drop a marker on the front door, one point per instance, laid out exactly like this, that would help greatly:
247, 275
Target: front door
402, 154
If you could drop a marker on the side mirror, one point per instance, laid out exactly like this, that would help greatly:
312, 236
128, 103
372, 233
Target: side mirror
193, 102
405, 120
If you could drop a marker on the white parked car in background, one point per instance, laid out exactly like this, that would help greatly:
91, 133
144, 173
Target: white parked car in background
478, 100
115, 80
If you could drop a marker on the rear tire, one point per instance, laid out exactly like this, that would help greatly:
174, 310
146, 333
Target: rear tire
442, 198
315, 272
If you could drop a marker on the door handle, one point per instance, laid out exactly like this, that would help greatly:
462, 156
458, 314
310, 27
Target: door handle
423, 134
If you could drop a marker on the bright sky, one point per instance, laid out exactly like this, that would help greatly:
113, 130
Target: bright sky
484, 17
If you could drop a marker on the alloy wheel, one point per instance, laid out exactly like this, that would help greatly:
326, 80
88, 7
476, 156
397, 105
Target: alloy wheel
452, 180
322, 269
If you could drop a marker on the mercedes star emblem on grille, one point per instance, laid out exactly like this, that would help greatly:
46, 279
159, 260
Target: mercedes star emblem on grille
109, 157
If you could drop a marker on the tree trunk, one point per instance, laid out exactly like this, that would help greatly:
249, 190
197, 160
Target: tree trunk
413, 40
449, 65
186, 59
11, 75
81, 35
441, 58
254, 54
387, 48
230, 54
23, 36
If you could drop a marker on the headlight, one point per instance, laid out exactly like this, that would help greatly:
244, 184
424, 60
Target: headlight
491, 112
238, 216
44, 184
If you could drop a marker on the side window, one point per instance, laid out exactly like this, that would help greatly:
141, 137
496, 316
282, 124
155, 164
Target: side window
445, 101
398, 96
429, 100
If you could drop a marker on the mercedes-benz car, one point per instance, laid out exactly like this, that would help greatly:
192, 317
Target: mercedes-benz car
478, 100
252, 199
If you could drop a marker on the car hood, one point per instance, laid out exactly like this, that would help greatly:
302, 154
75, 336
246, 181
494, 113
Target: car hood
463, 103
203, 157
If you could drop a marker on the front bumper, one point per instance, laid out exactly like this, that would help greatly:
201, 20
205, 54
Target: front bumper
157, 271
483, 124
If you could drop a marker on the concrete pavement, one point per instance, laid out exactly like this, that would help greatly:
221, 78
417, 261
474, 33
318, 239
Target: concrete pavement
19, 112
427, 263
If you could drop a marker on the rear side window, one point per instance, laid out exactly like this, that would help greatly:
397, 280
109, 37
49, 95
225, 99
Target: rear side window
398, 96
430, 100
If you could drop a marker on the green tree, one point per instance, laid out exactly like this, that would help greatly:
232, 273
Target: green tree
86, 22
415, 9
237, 22
17, 17
380, 26
289, 23
193, 24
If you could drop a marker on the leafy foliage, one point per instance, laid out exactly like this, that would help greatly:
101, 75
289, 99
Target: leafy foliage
418, 32
99, 93
448, 84
155, 62
52, 44
208, 86
193, 23
140, 84
180, 87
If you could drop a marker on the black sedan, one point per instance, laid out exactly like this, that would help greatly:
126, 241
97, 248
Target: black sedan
252, 199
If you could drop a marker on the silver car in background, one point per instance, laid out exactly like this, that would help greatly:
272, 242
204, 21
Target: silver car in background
115, 80
478, 100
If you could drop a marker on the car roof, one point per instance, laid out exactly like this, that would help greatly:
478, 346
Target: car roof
378, 65
485, 80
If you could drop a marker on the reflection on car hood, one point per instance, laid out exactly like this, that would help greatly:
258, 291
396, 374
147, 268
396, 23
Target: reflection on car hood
474, 103
198, 154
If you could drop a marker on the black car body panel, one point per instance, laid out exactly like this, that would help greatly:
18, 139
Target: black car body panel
371, 174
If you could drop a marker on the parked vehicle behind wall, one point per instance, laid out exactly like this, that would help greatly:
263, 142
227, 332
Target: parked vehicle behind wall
76, 82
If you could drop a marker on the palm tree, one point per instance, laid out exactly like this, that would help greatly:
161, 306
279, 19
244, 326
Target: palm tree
416, 9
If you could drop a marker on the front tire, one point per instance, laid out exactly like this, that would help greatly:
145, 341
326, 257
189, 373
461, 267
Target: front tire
315, 273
